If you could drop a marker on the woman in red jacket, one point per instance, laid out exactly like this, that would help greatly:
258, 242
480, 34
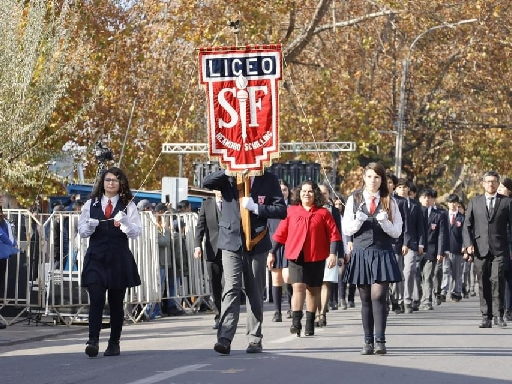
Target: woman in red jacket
310, 236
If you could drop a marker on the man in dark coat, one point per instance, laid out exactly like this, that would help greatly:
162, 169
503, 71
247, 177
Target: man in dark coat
207, 228
486, 241
265, 202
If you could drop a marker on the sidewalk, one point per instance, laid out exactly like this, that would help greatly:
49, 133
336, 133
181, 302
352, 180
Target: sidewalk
25, 332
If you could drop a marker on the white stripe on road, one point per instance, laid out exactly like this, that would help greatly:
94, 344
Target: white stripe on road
167, 374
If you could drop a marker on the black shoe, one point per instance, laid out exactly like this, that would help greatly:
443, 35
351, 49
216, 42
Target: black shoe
254, 348
2, 325
472, 293
486, 323
380, 348
415, 306
112, 349
223, 346
367, 349
309, 329
92, 348
296, 326
351, 304
216, 324
456, 298
508, 316
278, 318
322, 321
501, 322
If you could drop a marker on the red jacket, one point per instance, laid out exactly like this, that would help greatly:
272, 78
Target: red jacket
309, 231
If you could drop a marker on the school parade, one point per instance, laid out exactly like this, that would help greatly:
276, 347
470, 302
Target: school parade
204, 192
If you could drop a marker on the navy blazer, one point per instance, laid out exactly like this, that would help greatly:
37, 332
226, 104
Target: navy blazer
414, 235
402, 208
265, 191
208, 228
455, 233
488, 234
435, 229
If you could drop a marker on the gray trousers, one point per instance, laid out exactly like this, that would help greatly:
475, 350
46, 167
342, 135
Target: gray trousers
452, 275
397, 289
251, 268
410, 271
428, 280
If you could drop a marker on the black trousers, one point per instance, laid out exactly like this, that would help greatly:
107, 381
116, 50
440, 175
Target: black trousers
97, 303
215, 271
490, 272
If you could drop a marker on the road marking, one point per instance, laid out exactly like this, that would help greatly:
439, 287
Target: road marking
168, 374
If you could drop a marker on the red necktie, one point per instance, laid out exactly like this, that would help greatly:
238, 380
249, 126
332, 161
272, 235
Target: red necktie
373, 206
108, 209
452, 220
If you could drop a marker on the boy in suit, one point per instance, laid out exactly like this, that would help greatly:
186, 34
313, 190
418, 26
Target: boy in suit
452, 265
435, 243
414, 241
265, 202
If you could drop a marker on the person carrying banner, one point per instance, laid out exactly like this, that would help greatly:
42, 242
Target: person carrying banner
244, 257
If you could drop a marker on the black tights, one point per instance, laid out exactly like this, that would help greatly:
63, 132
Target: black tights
97, 302
374, 310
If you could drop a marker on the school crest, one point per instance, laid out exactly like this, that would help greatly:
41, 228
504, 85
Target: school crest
243, 105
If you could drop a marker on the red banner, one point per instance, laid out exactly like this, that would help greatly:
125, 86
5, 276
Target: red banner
243, 108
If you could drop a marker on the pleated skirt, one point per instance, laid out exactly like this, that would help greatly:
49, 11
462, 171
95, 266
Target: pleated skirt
372, 265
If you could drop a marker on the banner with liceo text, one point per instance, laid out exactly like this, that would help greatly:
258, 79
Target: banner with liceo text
243, 105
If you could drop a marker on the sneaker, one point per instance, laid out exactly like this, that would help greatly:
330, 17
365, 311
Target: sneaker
380, 348
367, 349
277, 318
427, 306
254, 348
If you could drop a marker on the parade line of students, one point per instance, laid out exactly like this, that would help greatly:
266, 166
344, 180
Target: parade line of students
401, 254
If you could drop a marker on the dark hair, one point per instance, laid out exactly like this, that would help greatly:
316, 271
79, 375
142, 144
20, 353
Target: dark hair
183, 204
393, 178
340, 198
282, 182
427, 192
318, 197
125, 194
403, 181
453, 198
161, 207
413, 188
491, 174
385, 199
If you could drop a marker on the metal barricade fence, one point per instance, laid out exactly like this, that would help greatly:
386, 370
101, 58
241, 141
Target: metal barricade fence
45, 277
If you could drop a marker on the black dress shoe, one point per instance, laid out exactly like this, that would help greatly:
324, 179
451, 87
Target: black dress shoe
486, 323
92, 348
2, 325
254, 348
113, 349
223, 346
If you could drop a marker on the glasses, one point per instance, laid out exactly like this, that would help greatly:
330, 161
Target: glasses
115, 181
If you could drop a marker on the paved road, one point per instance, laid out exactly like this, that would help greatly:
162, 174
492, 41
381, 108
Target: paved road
440, 346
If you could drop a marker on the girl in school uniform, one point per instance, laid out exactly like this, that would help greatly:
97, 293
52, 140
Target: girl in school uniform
373, 220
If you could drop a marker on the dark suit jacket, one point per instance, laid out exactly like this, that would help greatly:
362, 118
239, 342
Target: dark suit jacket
488, 234
335, 212
455, 233
265, 192
435, 229
402, 208
208, 228
414, 235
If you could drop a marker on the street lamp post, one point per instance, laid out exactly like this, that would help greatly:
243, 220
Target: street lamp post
402, 106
